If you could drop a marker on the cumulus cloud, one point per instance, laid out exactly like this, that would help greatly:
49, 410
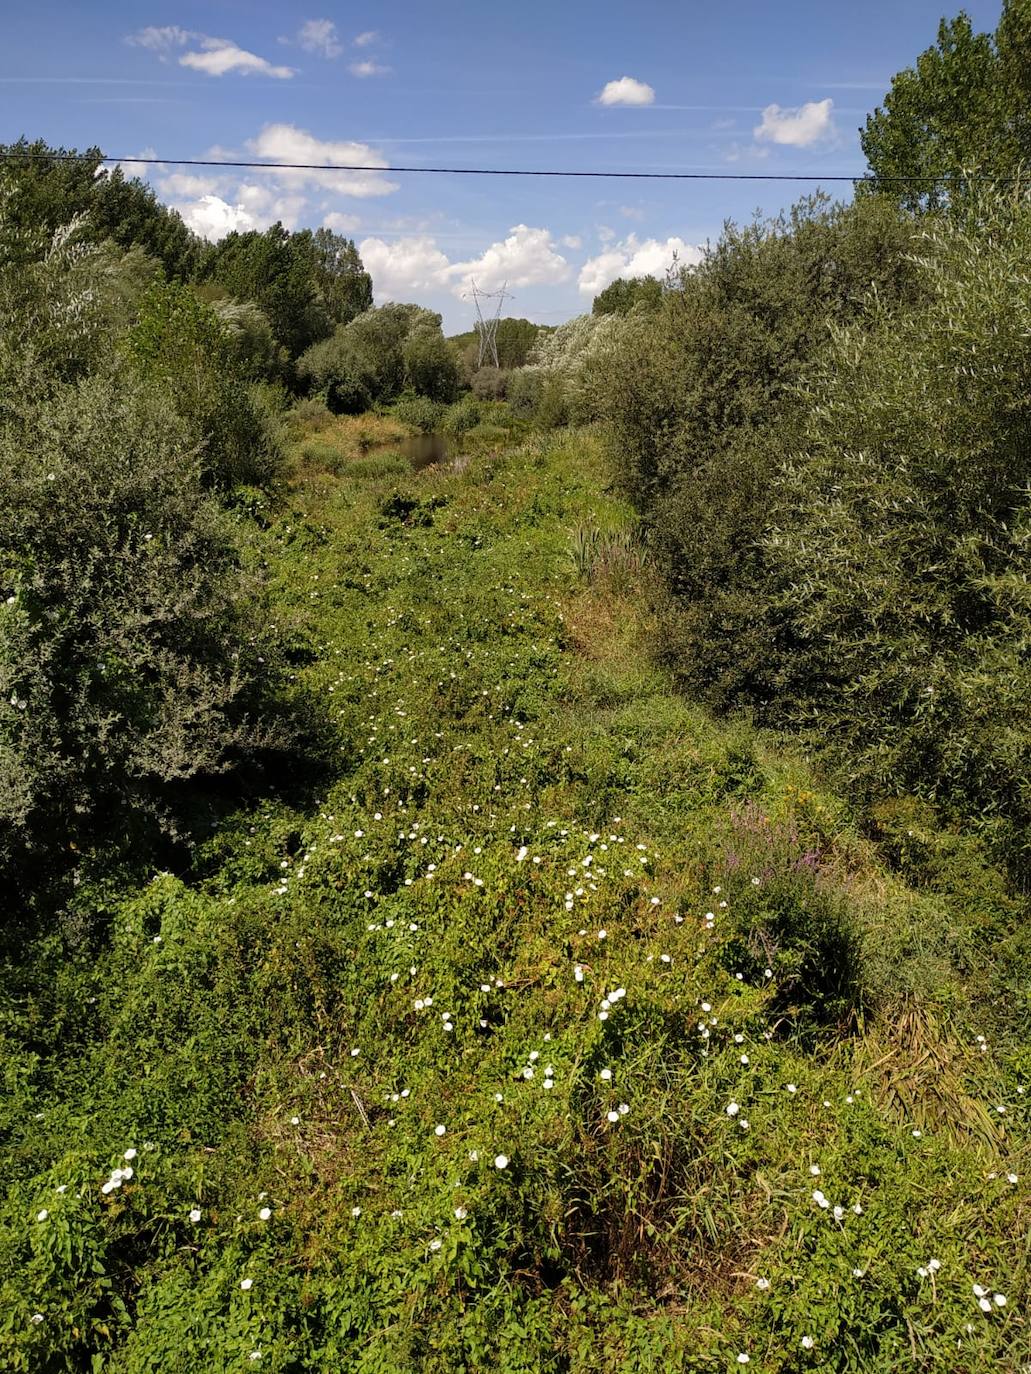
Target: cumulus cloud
626, 91
220, 55
341, 224
526, 257
572, 241
365, 39
400, 269
797, 128
213, 218
287, 143
249, 206
368, 68
320, 36
635, 258
403, 268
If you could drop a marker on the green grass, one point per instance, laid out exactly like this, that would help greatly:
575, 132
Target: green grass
285, 1023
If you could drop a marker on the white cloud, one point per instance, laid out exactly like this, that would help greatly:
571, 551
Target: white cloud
220, 55
213, 218
131, 168
402, 269
634, 258
249, 207
571, 241
626, 91
631, 212
368, 68
410, 265
526, 257
287, 143
184, 184
797, 128
364, 39
341, 224
320, 36
160, 39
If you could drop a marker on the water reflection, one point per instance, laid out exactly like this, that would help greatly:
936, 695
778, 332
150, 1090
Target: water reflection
422, 450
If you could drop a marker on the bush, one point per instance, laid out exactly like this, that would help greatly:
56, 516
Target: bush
900, 528
128, 660
703, 411
420, 412
463, 416
179, 349
490, 383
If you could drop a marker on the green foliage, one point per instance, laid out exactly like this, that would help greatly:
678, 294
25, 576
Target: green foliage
420, 412
626, 294
703, 412
429, 366
964, 107
899, 535
378, 354
490, 383
56, 186
180, 348
306, 284
252, 1033
515, 341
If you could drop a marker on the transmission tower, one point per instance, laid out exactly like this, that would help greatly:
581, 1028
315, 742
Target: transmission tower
487, 321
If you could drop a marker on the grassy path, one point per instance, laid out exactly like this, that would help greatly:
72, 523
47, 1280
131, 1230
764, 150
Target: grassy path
563, 1031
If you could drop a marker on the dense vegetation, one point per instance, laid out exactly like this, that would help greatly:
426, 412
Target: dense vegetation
563, 910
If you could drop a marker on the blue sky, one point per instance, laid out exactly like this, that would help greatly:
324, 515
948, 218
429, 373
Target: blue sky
648, 86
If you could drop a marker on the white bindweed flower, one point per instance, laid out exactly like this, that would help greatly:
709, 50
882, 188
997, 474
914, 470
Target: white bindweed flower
807, 1342
732, 1109
743, 1358
612, 1117
501, 1161
195, 1214
265, 1213
461, 1213
246, 1284
440, 1130
819, 1199
42, 1214
129, 1154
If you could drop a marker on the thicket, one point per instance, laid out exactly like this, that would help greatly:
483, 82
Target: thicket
130, 656
825, 428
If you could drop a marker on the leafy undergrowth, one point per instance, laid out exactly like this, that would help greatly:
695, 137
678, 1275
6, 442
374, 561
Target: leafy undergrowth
569, 1032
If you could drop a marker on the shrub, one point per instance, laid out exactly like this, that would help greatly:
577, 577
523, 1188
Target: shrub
899, 535
128, 661
461, 417
179, 349
420, 412
490, 383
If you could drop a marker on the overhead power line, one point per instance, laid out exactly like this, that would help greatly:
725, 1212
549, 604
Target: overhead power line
933, 179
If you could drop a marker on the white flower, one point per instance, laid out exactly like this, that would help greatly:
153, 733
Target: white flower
792, 1088
807, 1342
814, 1169
501, 1161
984, 1304
934, 1265
36, 1318
732, 1109
762, 1284
195, 1214
819, 1199
42, 1214
743, 1358
129, 1154
606, 1074
839, 1212
265, 1213
295, 1121
461, 1213
440, 1130
978, 1291
254, 1355
436, 1244
1000, 1300
612, 1116
246, 1284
